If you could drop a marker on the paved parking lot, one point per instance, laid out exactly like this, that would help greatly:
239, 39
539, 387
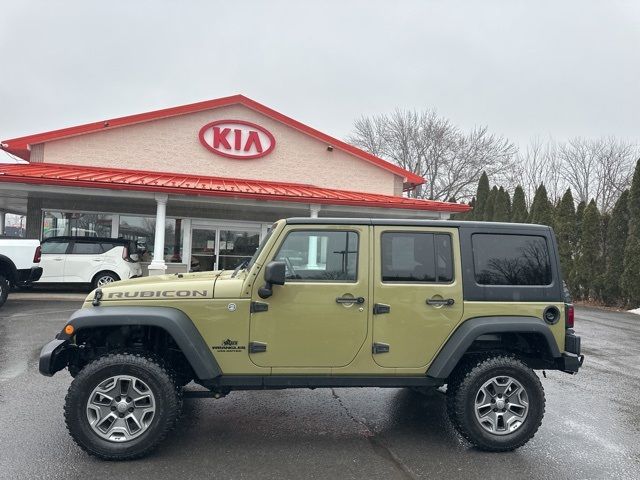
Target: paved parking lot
591, 429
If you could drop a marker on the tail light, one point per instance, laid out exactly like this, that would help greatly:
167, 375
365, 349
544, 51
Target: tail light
37, 255
569, 315
125, 254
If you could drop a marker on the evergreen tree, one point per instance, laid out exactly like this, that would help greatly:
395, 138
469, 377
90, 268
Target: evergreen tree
579, 216
489, 206
565, 226
519, 212
482, 194
502, 206
588, 262
576, 252
599, 276
541, 208
631, 273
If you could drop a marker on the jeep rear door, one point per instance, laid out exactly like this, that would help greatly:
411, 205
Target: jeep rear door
417, 293
318, 318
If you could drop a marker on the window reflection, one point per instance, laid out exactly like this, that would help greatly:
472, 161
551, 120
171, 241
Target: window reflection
511, 260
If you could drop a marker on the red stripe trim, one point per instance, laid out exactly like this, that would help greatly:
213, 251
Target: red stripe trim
180, 184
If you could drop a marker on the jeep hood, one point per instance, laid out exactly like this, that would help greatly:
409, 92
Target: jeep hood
183, 286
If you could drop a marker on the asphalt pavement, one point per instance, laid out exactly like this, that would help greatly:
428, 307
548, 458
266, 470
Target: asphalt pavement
591, 429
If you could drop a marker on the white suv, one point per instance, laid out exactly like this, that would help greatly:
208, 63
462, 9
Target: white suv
93, 260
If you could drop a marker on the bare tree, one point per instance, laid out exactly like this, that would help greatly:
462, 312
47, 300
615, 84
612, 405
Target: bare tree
598, 169
450, 160
539, 163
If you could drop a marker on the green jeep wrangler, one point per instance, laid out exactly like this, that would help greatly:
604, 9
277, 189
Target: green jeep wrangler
329, 302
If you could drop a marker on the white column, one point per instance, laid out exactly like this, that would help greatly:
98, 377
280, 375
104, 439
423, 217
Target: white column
312, 256
157, 265
2, 218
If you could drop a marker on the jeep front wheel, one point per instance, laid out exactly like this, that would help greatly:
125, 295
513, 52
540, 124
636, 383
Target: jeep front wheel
496, 402
121, 406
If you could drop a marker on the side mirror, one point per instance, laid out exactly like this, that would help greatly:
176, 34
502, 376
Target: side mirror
274, 274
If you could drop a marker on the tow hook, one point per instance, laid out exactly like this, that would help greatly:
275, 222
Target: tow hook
97, 297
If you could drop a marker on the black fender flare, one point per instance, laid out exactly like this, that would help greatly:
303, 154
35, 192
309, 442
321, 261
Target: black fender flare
453, 350
10, 266
175, 322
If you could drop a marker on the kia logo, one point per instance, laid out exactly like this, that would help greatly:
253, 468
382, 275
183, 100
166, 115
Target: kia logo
237, 139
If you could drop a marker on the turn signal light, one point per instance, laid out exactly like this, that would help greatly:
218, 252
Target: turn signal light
69, 330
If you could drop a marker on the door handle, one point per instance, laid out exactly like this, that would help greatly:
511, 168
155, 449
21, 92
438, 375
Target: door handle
441, 302
359, 300
58, 259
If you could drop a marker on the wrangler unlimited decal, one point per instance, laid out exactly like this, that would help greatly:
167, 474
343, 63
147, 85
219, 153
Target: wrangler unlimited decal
159, 294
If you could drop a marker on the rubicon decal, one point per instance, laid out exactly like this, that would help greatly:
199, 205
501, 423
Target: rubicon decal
158, 294
237, 139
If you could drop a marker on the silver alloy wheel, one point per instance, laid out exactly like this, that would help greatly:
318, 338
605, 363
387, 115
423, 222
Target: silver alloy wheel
104, 280
121, 408
501, 405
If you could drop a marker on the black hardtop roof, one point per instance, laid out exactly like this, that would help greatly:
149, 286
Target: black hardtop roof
122, 241
414, 223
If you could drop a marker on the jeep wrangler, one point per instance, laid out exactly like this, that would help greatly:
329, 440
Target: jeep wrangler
328, 302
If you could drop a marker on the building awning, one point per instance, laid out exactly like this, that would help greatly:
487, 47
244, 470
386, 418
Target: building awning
180, 184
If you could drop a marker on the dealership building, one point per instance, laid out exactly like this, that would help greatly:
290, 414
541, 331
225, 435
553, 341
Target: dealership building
198, 185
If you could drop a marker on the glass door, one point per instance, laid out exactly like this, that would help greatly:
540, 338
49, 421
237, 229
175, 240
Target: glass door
203, 249
235, 247
221, 248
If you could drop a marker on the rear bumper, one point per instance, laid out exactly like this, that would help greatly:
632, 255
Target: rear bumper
571, 360
26, 276
54, 356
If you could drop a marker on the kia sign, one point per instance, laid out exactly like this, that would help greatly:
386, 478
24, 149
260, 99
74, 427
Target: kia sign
237, 139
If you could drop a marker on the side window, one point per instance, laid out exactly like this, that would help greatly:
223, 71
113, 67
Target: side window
86, 248
511, 259
54, 247
108, 246
320, 255
416, 257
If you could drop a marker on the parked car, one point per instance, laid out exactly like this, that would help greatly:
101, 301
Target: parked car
18, 264
93, 260
377, 303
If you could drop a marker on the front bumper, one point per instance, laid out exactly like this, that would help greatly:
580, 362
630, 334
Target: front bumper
55, 356
26, 276
571, 360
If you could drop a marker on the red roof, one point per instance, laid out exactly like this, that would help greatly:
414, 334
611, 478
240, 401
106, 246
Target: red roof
20, 146
180, 184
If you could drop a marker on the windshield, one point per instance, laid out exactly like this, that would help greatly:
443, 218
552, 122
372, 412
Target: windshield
261, 246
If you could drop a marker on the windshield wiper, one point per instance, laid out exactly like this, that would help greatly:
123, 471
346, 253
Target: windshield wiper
240, 266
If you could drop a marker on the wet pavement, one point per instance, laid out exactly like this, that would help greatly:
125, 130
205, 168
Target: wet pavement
591, 429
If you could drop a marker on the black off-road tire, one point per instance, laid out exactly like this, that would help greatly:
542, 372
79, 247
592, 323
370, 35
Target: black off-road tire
4, 289
461, 393
168, 400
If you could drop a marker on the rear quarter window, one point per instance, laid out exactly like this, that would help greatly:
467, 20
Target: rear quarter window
85, 248
518, 260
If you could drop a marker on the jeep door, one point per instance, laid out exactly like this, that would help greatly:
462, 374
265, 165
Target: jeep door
318, 318
417, 293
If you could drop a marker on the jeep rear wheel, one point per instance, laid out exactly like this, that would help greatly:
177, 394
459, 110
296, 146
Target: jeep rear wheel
121, 406
496, 402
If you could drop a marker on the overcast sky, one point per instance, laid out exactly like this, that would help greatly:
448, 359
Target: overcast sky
523, 68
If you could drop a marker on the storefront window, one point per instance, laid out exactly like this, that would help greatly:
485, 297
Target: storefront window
76, 224
143, 231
